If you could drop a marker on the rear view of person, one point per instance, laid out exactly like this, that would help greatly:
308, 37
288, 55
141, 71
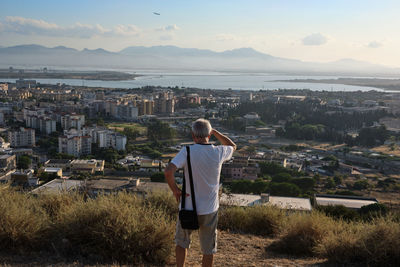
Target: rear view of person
206, 162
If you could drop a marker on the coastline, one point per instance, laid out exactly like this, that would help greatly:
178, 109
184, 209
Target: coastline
79, 75
386, 84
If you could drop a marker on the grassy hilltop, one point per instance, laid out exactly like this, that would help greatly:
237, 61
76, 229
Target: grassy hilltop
125, 229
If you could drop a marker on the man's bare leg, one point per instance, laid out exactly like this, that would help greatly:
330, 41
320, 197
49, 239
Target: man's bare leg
180, 253
207, 260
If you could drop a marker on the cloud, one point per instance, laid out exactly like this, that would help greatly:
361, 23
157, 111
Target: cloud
167, 37
169, 28
315, 39
27, 26
226, 37
374, 44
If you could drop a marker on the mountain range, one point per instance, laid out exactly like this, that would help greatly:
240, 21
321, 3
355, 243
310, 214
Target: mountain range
176, 58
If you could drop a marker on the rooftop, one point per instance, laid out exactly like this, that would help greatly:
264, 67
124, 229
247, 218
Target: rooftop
57, 186
58, 161
347, 201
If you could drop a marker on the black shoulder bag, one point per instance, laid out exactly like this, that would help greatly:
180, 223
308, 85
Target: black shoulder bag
188, 218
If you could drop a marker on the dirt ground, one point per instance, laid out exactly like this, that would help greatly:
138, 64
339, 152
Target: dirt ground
245, 250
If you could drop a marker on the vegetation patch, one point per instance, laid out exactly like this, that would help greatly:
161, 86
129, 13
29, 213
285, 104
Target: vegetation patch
258, 220
302, 233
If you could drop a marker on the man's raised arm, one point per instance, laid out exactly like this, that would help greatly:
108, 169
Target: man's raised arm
225, 140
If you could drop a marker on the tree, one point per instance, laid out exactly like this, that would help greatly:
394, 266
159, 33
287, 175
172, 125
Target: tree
24, 162
158, 177
361, 185
330, 183
284, 189
131, 133
281, 178
158, 130
259, 186
304, 183
338, 179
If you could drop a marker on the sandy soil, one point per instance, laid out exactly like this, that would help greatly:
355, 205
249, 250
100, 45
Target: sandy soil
245, 250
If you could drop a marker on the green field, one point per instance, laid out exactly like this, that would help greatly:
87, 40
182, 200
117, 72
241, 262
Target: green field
131, 125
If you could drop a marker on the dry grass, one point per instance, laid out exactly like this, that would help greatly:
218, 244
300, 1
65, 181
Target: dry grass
115, 228
303, 232
123, 229
22, 224
259, 220
374, 244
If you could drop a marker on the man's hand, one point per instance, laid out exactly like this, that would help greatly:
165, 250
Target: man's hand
223, 139
177, 194
169, 176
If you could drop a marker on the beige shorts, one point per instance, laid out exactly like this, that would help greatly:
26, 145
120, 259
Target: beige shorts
207, 233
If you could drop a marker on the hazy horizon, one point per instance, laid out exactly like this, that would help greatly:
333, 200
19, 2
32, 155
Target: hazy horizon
310, 31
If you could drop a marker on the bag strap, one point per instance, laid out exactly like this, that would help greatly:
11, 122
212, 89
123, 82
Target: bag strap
191, 183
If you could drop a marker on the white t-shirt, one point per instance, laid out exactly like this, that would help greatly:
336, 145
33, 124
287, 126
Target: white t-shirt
206, 161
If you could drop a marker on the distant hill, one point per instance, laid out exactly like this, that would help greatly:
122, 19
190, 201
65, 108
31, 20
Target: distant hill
176, 58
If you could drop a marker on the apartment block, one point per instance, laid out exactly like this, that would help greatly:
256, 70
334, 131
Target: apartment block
105, 137
44, 124
7, 162
72, 121
24, 137
111, 139
73, 143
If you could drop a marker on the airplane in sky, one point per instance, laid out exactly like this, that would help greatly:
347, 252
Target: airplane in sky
155, 13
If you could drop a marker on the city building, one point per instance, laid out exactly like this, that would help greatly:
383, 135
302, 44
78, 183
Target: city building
72, 121
127, 112
112, 139
56, 186
351, 202
285, 203
87, 165
146, 107
24, 137
7, 162
42, 123
73, 143
64, 164
21, 83
24, 178
164, 104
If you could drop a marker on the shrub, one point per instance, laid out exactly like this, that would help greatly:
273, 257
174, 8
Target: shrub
116, 228
373, 210
339, 212
373, 244
302, 233
163, 201
259, 220
22, 224
158, 177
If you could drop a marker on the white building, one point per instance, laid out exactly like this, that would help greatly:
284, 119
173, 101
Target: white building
24, 137
43, 123
127, 112
73, 143
72, 121
105, 137
111, 139
286, 203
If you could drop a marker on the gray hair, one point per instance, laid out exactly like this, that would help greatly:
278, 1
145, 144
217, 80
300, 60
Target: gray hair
201, 128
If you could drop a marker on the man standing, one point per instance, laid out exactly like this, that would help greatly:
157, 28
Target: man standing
206, 161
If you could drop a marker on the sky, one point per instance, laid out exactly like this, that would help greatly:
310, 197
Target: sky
308, 30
